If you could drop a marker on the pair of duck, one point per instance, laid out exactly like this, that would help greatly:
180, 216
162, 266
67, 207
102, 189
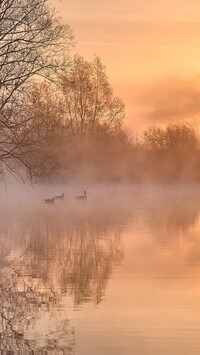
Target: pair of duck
51, 201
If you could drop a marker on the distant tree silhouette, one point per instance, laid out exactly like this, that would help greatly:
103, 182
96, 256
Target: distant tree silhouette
172, 153
90, 105
171, 137
78, 123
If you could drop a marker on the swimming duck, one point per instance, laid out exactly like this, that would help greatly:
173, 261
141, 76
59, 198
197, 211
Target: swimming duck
82, 197
60, 197
49, 201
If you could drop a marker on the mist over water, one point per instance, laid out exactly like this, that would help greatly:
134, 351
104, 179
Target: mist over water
115, 274
99, 227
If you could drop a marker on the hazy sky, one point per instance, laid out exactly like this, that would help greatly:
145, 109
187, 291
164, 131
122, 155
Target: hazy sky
147, 46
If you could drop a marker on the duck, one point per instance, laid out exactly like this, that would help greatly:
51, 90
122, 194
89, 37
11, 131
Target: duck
82, 197
60, 197
49, 201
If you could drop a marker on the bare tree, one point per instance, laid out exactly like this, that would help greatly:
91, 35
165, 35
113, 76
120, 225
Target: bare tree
174, 136
89, 101
172, 153
42, 135
32, 42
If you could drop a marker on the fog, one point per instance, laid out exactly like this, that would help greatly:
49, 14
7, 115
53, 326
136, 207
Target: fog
102, 198
99, 227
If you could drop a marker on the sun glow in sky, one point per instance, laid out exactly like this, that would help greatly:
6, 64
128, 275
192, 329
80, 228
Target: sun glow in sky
147, 46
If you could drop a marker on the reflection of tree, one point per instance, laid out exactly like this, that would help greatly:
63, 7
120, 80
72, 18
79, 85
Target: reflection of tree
21, 305
172, 246
43, 259
167, 208
88, 264
81, 254
24, 303
179, 215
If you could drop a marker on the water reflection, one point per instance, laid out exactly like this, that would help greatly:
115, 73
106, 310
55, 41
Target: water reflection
77, 255
27, 305
134, 262
44, 258
164, 238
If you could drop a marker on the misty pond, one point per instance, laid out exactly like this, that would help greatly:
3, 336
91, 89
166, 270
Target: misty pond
116, 274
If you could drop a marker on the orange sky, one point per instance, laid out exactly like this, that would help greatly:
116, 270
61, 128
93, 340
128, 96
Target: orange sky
151, 49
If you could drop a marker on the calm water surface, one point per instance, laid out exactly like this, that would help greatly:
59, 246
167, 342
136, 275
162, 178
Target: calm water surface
116, 275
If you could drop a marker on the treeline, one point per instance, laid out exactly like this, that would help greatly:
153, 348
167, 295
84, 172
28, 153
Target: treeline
81, 125
69, 125
162, 155
169, 154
